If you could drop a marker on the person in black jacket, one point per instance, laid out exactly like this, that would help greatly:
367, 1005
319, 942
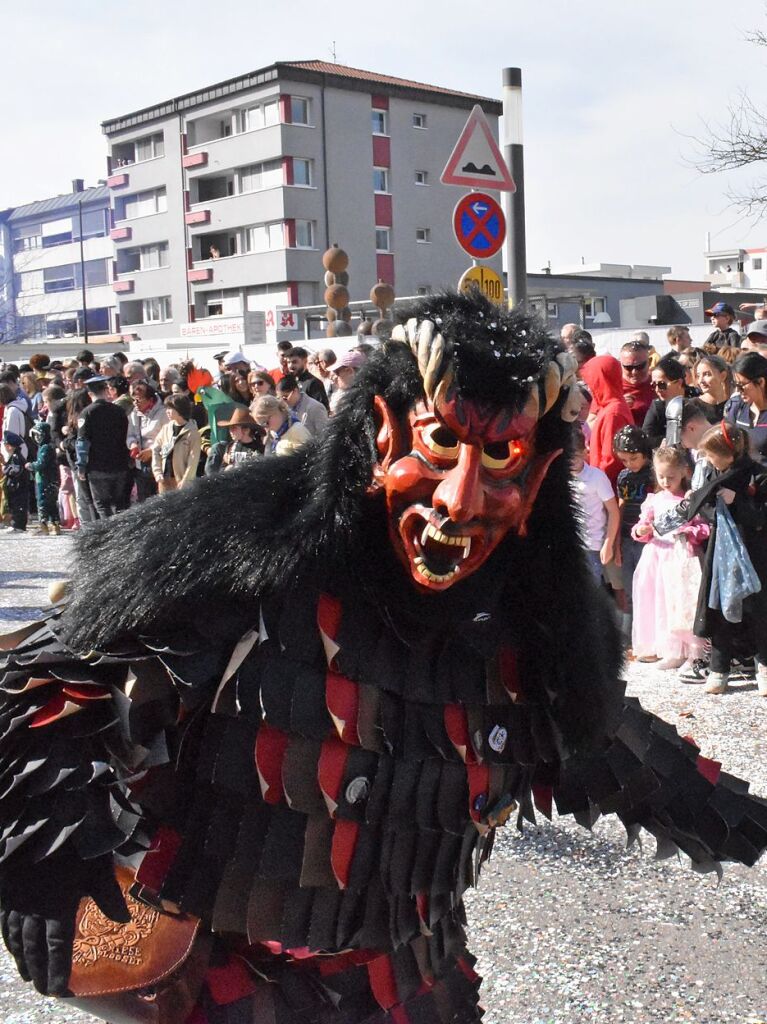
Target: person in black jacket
102, 450
309, 384
667, 383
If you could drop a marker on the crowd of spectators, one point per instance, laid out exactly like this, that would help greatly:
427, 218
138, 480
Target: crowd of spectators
643, 468
84, 438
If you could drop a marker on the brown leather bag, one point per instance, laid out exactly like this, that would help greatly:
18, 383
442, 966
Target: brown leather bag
147, 971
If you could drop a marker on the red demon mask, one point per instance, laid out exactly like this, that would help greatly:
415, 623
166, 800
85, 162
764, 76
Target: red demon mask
469, 477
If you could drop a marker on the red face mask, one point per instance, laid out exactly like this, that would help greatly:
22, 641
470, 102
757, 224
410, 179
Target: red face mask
470, 477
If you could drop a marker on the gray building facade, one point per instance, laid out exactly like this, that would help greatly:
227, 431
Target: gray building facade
224, 199
42, 267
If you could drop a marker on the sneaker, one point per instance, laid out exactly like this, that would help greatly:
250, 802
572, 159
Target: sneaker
55, 530
669, 663
694, 671
717, 682
761, 680
42, 529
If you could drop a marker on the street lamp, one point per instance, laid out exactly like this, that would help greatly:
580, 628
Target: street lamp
516, 258
82, 271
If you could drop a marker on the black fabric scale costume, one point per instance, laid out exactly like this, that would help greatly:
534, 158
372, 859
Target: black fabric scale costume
250, 698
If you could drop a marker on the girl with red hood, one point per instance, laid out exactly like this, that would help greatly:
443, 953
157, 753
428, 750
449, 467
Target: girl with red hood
602, 376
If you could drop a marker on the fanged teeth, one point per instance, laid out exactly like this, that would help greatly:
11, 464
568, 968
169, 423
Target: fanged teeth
444, 538
435, 577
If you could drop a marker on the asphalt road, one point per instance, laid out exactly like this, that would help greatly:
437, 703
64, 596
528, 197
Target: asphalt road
568, 926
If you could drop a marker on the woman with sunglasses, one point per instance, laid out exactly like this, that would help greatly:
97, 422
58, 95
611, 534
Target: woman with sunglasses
260, 383
747, 408
667, 382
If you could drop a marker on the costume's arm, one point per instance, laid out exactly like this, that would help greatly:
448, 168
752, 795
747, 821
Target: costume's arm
652, 778
64, 755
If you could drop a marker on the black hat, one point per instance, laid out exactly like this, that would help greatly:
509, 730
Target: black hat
97, 381
13, 440
220, 355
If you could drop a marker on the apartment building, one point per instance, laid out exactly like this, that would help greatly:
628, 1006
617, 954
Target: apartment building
42, 266
224, 199
736, 269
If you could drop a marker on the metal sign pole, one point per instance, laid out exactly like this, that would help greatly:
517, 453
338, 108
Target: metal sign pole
516, 254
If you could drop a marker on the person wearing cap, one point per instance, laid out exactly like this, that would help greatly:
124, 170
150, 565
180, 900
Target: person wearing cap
176, 449
236, 361
246, 442
297, 359
722, 317
309, 411
285, 433
755, 339
343, 373
101, 450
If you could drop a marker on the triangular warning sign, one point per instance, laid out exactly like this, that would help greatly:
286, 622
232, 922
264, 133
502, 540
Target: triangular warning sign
476, 161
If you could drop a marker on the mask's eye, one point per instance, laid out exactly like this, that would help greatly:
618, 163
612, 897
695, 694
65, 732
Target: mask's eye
440, 441
503, 455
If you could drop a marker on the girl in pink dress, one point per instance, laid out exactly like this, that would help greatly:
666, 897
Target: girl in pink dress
668, 575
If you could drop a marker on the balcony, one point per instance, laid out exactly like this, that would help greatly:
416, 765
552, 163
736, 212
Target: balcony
118, 180
121, 234
122, 287
192, 160
728, 279
200, 276
252, 268
196, 217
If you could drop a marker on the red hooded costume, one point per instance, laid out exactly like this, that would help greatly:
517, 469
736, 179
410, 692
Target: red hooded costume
604, 379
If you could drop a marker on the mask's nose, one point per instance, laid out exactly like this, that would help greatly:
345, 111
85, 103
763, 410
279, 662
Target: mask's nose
460, 492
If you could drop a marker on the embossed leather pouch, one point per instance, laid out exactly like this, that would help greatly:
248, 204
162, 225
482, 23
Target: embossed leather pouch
147, 971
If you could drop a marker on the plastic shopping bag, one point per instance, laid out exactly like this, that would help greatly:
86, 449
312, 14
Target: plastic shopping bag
733, 577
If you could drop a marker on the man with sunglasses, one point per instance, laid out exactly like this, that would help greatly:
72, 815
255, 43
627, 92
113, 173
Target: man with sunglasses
635, 370
667, 382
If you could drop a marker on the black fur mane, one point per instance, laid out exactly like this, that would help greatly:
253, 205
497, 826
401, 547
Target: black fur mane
200, 558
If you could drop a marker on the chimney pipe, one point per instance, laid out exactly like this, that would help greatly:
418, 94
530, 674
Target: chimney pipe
78, 185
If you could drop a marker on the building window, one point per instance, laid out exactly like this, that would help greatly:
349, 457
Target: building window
757, 264
422, 177
59, 279
304, 234
380, 122
383, 239
419, 120
423, 234
94, 224
57, 232
271, 113
380, 179
262, 237
227, 302
157, 311
96, 274
141, 204
29, 237
593, 306
146, 148
256, 177
302, 172
144, 257
299, 110
423, 289
30, 281
552, 310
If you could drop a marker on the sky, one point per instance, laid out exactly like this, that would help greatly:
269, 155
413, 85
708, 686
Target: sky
615, 93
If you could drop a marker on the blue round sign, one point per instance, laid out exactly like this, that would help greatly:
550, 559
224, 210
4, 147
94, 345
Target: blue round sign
479, 225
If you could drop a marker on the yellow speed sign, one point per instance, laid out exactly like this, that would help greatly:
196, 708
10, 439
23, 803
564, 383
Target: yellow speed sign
488, 282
